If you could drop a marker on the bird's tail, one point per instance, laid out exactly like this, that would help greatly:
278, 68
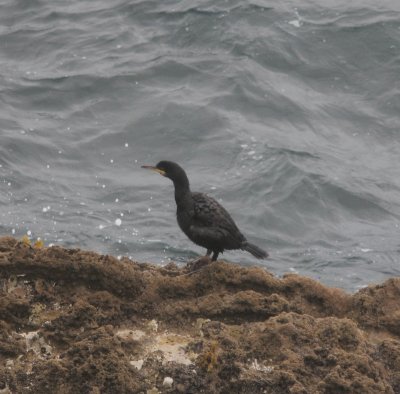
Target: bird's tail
254, 250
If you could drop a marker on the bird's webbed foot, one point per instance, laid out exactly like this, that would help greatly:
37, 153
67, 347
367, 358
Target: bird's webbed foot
198, 263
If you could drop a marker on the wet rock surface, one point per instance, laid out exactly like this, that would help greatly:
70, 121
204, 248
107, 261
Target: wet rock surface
73, 321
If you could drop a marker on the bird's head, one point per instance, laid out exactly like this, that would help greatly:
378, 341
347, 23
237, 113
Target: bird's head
170, 170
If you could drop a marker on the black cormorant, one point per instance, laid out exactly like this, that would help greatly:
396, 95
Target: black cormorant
202, 218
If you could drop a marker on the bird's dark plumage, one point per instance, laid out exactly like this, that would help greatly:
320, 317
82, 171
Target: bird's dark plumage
203, 219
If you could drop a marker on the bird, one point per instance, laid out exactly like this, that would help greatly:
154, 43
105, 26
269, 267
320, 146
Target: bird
205, 221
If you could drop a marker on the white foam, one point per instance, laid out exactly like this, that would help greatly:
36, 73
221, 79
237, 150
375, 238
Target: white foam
295, 23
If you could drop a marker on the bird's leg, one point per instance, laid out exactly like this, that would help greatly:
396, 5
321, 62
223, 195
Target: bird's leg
215, 255
208, 252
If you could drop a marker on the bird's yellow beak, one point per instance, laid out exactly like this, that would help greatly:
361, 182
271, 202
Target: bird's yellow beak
155, 169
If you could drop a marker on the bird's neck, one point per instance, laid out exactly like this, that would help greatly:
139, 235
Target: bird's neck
183, 195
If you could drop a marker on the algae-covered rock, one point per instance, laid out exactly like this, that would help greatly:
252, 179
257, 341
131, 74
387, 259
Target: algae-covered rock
74, 321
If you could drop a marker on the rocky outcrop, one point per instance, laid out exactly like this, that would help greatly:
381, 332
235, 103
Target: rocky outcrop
74, 321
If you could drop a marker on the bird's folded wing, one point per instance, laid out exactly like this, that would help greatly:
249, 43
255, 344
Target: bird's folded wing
213, 222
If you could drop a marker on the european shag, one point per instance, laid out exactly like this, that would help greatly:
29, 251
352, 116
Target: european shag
202, 218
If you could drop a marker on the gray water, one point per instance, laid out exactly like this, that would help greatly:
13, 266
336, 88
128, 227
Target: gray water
285, 111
